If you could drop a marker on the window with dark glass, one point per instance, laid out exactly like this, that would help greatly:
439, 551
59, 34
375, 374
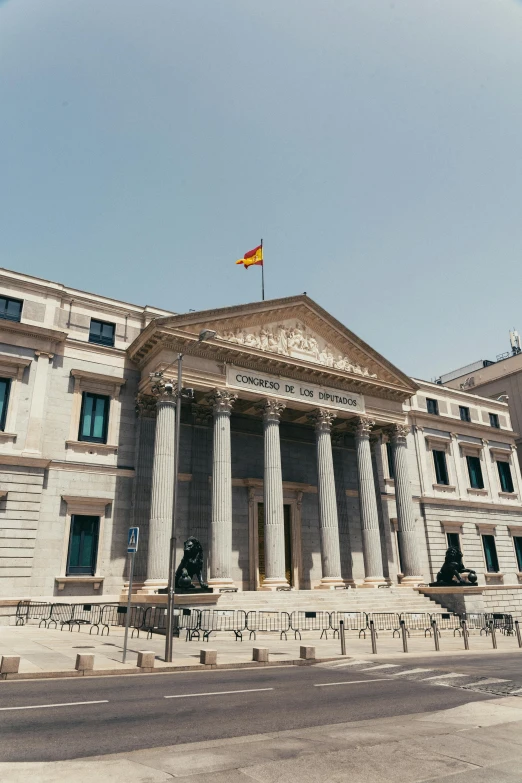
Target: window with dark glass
475, 473
464, 413
490, 553
5, 388
10, 309
441, 469
517, 541
504, 472
83, 545
432, 406
94, 418
102, 332
389, 453
493, 420
453, 539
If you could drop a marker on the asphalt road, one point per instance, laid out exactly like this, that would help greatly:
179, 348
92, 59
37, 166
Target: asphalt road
508, 665
134, 712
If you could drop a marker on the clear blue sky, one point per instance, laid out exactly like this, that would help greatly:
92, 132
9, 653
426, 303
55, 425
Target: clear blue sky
375, 145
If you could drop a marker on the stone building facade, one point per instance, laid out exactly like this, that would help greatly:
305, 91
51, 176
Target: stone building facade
306, 458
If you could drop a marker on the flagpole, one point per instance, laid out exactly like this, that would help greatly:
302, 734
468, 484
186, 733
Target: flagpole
262, 274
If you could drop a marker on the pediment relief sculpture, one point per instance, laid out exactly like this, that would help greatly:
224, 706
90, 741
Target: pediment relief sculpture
297, 341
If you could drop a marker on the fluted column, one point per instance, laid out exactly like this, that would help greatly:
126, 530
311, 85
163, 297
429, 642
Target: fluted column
405, 512
141, 494
371, 535
221, 524
163, 478
328, 520
275, 572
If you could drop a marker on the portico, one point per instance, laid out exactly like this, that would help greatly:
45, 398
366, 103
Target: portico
283, 392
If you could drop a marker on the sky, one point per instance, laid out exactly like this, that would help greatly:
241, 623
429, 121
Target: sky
374, 145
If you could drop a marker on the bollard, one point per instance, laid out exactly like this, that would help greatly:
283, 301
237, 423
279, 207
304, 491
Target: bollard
342, 637
519, 637
208, 657
260, 654
84, 663
404, 634
374, 637
465, 634
146, 660
493, 634
307, 653
435, 634
9, 664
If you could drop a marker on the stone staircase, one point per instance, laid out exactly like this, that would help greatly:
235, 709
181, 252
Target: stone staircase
391, 599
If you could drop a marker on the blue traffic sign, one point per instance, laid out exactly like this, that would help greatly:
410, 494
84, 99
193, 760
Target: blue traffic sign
132, 543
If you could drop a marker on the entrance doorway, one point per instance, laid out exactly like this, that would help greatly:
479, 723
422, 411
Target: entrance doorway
289, 571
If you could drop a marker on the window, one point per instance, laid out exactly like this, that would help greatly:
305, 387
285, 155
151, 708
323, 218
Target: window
94, 418
101, 332
504, 472
10, 309
490, 553
517, 541
83, 545
453, 539
5, 388
433, 406
493, 420
441, 469
464, 413
389, 454
475, 473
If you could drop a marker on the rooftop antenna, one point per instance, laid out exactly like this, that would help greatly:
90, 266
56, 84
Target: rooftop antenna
514, 339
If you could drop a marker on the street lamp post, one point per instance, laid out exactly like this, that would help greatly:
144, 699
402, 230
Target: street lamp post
205, 334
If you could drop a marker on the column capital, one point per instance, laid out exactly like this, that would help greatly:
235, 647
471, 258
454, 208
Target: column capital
45, 354
363, 426
398, 432
163, 388
222, 401
323, 419
271, 409
201, 414
145, 406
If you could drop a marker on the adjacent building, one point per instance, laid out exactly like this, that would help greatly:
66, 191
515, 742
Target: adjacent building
306, 458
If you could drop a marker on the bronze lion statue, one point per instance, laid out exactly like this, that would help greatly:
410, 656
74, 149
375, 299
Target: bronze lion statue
191, 565
453, 572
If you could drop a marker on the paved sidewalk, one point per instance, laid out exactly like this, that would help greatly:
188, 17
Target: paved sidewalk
54, 651
477, 742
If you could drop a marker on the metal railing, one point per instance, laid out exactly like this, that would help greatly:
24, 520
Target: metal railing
353, 621
310, 621
221, 620
266, 621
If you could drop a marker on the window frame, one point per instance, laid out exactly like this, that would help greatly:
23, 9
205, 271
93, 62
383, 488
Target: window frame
436, 466
8, 299
479, 485
389, 458
101, 341
3, 412
77, 570
494, 421
433, 403
518, 554
104, 385
501, 477
107, 412
463, 409
491, 537
450, 533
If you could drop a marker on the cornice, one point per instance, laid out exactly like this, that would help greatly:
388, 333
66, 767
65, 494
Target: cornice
450, 424
30, 330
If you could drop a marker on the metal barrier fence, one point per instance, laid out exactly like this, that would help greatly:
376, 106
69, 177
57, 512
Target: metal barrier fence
32, 610
310, 621
266, 621
85, 614
61, 614
155, 619
447, 621
353, 621
385, 621
417, 621
219, 620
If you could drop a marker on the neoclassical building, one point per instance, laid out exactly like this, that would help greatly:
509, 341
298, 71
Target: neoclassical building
306, 458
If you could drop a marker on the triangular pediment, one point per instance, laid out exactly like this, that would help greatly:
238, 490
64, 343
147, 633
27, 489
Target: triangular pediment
294, 328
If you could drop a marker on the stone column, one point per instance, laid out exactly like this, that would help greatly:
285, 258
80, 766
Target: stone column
328, 521
141, 493
163, 479
221, 525
371, 535
405, 512
35, 426
275, 572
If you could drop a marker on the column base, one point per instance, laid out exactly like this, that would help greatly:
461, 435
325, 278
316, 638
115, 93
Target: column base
330, 583
273, 582
411, 581
374, 581
219, 583
151, 586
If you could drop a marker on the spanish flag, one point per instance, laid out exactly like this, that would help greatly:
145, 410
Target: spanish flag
252, 258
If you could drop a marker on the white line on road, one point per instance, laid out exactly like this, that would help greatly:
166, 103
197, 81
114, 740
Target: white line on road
382, 666
409, 671
216, 693
443, 676
65, 704
349, 682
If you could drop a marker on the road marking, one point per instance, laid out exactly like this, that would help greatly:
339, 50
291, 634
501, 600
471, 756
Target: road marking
487, 681
442, 676
216, 693
349, 682
409, 671
65, 704
340, 664
382, 666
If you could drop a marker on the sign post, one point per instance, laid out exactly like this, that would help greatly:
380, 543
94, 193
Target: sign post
132, 548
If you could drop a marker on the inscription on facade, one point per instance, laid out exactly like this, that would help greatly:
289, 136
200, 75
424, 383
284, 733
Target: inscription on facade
288, 388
